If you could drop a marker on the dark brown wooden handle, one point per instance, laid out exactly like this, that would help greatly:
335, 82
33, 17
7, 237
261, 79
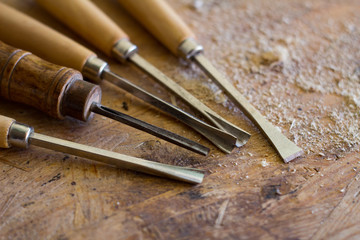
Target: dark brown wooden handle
28, 79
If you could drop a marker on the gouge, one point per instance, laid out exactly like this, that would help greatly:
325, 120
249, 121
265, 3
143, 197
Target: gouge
162, 21
113, 41
20, 135
25, 32
61, 92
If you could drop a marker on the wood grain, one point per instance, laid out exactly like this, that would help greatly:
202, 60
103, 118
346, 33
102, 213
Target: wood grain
248, 194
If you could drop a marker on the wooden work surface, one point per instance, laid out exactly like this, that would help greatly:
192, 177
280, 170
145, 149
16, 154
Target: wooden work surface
297, 61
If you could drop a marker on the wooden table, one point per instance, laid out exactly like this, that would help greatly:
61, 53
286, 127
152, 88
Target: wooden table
297, 61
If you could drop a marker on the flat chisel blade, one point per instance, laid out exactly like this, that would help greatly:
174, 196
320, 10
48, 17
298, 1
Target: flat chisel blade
189, 175
286, 148
151, 129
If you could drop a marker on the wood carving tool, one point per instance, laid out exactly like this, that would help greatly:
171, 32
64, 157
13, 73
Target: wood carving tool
163, 22
60, 92
108, 37
26, 33
20, 135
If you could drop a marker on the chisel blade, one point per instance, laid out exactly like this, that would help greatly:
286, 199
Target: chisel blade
286, 148
189, 175
219, 122
218, 136
151, 129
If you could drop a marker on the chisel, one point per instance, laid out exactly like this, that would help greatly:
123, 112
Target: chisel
14, 134
163, 22
25, 32
60, 92
108, 37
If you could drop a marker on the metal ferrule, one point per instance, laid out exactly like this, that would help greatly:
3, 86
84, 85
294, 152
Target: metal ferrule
93, 69
123, 49
189, 48
19, 135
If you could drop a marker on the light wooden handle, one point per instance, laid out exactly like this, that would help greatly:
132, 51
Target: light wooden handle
5, 124
86, 19
161, 20
27, 33
55, 90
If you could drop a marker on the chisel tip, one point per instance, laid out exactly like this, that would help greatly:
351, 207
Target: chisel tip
295, 153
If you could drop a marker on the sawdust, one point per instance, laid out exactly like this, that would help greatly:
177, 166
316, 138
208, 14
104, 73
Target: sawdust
197, 4
304, 76
264, 163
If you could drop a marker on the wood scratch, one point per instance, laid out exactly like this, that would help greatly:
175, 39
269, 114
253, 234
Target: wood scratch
7, 204
221, 215
157, 233
3, 160
344, 210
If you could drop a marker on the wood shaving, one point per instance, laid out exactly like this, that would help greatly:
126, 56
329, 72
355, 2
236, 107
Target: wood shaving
264, 163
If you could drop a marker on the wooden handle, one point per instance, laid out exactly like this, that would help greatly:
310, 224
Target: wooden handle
161, 20
26, 78
5, 124
27, 33
85, 18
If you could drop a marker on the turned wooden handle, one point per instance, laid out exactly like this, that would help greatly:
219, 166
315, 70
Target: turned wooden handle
86, 19
27, 33
5, 124
161, 20
55, 90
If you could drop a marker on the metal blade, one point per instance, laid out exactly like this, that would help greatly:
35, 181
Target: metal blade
241, 135
189, 175
153, 130
219, 138
287, 149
